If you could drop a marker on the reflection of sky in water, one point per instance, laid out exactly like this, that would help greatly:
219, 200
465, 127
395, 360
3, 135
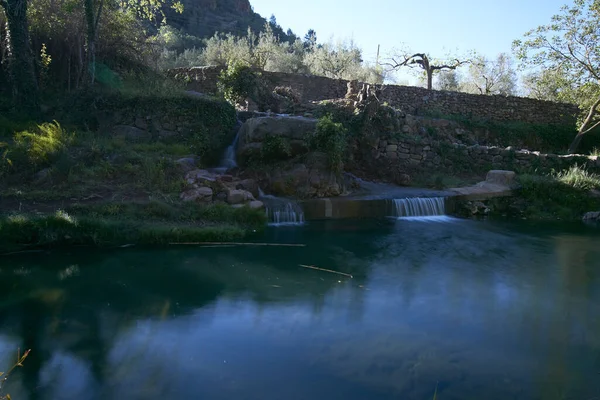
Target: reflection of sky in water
481, 312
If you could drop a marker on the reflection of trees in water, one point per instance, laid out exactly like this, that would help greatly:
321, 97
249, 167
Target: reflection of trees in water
81, 314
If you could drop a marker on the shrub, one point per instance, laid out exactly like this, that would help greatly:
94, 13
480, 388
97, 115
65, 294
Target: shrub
275, 148
330, 138
563, 195
237, 83
44, 144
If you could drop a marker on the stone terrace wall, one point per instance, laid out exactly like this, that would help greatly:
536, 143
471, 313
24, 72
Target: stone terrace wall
413, 100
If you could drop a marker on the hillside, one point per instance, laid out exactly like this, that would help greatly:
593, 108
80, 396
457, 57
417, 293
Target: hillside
203, 18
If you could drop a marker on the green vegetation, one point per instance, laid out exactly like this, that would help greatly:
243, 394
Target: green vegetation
564, 56
331, 138
6, 375
563, 195
238, 82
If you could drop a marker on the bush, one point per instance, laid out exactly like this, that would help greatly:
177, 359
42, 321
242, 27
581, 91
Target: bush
237, 83
275, 148
563, 195
330, 138
43, 145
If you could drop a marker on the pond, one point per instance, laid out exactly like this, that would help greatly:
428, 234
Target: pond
486, 310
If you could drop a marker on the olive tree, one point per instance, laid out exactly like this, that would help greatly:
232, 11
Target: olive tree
569, 48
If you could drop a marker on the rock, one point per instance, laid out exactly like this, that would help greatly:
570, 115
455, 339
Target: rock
42, 175
593, 216
201, 176
249, 185
130, 132
256, 205
500, 177
237, 196
141, 123
293, 129
225, 178
203, 195
186, 163
391, 147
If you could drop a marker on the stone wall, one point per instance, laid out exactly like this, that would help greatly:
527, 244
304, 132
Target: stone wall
413, 100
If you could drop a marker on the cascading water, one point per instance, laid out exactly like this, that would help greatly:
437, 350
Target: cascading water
281, 212
418, 207
229, 158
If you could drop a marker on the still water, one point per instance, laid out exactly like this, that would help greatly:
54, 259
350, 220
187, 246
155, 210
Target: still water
482, 310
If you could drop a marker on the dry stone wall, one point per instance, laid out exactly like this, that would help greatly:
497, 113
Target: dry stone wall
413, 100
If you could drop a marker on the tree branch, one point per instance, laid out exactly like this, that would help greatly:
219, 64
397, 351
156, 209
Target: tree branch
590, 116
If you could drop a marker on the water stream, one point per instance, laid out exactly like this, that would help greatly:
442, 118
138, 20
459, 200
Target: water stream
419, 207
280, 211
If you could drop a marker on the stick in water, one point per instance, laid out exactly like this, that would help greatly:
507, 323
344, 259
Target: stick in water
239, 244
326, 270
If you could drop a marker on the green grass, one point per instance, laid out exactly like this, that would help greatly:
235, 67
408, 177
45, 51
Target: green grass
115, 225
564, 195
595, 152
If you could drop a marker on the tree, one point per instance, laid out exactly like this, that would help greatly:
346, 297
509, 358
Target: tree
422, 61
310, 39
150, 10
448, 80
570, 47
491, 77
19, 54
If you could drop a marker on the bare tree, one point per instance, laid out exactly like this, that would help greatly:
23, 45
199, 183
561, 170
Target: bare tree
422, 61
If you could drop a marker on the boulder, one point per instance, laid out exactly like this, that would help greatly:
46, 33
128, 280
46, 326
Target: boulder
187, 163
236, 196
500, 177
255, 204
254, 131
593, 216
202, 195
201, 176
249, 185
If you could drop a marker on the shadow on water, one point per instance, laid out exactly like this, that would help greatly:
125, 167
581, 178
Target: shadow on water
482, 309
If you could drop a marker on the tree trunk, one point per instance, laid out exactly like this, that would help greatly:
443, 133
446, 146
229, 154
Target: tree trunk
92, 19
429, 79
20, 57
587, 126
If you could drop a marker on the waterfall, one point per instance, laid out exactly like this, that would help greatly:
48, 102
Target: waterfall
419, 207
281, 212
229, 159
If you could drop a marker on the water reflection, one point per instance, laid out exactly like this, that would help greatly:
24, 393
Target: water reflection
483, 310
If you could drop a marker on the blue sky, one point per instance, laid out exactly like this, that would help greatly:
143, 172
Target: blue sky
433, 26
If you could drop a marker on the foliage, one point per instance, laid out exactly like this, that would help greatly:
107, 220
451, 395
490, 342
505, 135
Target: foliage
275, 148
330, 138
491, 77
237, 83
565, 56
265, 51
562, 195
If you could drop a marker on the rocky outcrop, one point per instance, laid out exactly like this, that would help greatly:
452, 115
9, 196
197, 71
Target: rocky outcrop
497, 184
207, 186
593, 216
290, 131
310, 178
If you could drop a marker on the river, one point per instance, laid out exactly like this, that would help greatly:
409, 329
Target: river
476, 309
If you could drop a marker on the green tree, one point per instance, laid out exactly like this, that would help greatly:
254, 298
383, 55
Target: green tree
20, 56
491, 77
150, 10
569, 49
448, 80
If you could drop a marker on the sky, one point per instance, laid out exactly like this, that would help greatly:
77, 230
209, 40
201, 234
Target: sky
436, 27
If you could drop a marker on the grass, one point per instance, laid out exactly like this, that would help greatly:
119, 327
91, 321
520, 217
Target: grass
119, 224
564, 195
595, 152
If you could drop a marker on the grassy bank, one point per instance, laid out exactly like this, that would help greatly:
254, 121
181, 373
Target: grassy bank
117, 224
74, 180
565, 195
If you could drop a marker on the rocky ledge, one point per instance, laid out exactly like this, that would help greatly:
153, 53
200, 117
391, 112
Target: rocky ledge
208, 187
